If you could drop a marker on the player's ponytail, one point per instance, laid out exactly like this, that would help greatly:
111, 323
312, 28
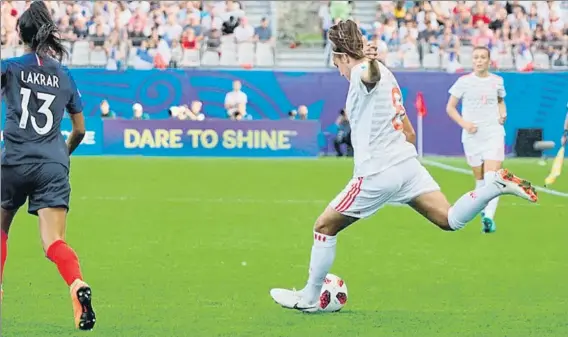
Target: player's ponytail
346, 38
39, 32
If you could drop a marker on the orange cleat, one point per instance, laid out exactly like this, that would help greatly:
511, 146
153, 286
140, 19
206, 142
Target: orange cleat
82, 309
514, 185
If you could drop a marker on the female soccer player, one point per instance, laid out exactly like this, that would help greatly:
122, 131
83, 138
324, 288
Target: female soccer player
35, 163
482, 119
386, 165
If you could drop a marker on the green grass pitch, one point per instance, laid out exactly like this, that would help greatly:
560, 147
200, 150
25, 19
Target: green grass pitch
191, 247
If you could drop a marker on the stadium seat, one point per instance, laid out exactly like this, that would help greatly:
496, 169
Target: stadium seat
228, 58
131, 56
411, 60
245, 53
210, 58
505, 61
98, 58
19, 51
465, 59
80, 56
190, 58
7, 52
541, 61
392, 60
264, 55
431, 61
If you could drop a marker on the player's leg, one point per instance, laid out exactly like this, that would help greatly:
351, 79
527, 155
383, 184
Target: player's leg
361, 198
14, 195
474, 158
436, 208
50, 202
493, 158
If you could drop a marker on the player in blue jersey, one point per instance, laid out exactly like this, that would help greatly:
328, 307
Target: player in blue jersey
35, 160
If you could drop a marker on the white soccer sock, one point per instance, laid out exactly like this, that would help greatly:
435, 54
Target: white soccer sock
470, 204
323, 255
479, 184
491, 207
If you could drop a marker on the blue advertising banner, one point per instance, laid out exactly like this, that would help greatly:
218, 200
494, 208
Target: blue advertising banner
92, 144
212, 138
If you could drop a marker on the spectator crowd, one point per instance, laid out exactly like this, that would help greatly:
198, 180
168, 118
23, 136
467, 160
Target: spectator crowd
431, 34
523, 34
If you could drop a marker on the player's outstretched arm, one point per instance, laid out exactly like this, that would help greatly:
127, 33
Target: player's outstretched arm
565, 133
78, 132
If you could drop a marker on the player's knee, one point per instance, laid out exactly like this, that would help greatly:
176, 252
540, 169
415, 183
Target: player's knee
325, 226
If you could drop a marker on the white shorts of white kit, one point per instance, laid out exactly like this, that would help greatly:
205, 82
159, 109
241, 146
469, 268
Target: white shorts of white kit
400, 184
476, 152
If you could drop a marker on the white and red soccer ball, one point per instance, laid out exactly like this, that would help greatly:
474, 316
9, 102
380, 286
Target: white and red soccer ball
333, 294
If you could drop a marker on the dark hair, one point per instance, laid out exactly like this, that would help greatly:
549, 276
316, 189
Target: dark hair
39, 32
346, 38
483, 48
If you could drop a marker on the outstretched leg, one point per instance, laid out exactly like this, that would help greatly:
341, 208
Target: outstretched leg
435, 207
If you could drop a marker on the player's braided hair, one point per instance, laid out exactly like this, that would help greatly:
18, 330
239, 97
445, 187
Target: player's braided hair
39, 32
346, 38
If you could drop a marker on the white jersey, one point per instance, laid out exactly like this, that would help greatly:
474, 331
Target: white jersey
479, 96
376, 123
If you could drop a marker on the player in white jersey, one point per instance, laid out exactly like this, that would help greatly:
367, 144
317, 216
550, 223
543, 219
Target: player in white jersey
483, 115
386, 165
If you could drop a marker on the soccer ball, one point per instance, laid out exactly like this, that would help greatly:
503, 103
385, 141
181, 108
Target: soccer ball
333, 294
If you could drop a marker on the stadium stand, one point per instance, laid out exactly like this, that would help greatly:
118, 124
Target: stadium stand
522, 35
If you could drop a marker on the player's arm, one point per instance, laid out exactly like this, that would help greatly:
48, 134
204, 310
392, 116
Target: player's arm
456, 93
371, 75
75, 110
452, 110
77, 132
408, 130
501, 101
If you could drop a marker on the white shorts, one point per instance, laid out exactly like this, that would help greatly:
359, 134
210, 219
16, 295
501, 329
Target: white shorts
476, 152
364, 196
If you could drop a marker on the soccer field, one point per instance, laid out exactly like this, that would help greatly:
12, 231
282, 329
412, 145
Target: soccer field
191, 247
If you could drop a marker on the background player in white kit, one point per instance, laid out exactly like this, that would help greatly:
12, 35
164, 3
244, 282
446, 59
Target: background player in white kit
482, 118
386, 165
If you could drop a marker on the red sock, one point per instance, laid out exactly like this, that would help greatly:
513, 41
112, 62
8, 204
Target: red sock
4, 252
66, 260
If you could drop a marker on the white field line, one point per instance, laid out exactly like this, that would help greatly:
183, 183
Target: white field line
468, 172
253, 201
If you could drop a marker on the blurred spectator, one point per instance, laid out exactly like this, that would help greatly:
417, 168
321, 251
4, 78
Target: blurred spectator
514, 30
138, 112
185, 112
292, 114
240, 113
106, 112
189, 39
263, 33
303, 112
343, 135
235, 100
244, 32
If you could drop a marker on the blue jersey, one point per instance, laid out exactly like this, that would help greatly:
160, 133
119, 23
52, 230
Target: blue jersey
36, 92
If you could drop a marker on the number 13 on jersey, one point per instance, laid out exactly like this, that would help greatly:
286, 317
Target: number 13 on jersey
45, 109
400, 111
